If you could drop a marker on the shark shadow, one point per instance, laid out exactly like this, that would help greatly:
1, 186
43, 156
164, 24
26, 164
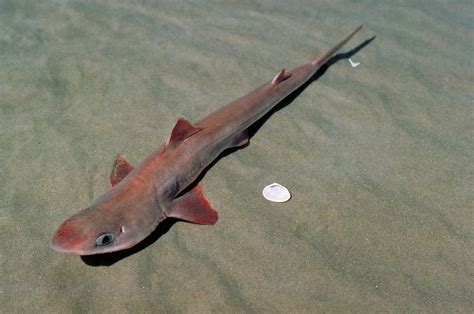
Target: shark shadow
108, 259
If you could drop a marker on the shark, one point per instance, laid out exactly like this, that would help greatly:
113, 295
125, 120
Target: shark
164, 184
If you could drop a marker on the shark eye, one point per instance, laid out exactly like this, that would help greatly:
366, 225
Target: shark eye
105, 239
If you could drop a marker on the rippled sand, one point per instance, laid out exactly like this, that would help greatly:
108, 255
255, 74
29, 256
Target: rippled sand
378, 158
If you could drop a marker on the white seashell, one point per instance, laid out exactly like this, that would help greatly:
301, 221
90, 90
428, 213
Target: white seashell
354, 63
276, 193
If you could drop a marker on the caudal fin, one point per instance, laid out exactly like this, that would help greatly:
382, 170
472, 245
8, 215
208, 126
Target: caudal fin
328, 54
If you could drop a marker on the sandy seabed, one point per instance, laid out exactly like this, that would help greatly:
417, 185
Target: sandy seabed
379, 158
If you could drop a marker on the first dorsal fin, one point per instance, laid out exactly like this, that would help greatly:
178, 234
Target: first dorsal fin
181, 131
281, 76
121, 169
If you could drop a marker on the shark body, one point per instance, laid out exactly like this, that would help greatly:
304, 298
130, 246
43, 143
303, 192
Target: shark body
161, 186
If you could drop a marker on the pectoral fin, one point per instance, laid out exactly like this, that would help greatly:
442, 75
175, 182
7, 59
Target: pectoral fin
121, 169
193, 207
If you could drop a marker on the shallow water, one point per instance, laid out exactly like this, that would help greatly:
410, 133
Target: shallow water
378, 158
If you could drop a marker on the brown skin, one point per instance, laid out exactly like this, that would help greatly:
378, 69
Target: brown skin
131, 210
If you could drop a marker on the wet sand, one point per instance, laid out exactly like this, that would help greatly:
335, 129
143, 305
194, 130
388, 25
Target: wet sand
378, 158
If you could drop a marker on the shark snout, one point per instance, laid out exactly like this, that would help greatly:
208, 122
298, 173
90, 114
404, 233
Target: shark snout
67, 239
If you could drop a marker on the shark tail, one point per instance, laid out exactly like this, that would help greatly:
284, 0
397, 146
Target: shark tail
328, 54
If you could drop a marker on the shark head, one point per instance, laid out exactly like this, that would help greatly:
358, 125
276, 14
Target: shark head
130, 211
97, 230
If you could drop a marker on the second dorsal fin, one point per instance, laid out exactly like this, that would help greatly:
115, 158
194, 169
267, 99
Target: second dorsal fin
281, 76
181, 131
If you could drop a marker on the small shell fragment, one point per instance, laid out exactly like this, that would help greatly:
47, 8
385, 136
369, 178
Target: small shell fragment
276, 193
353, 63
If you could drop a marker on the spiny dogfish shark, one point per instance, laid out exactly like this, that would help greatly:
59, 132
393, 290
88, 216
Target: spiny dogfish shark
163, 185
